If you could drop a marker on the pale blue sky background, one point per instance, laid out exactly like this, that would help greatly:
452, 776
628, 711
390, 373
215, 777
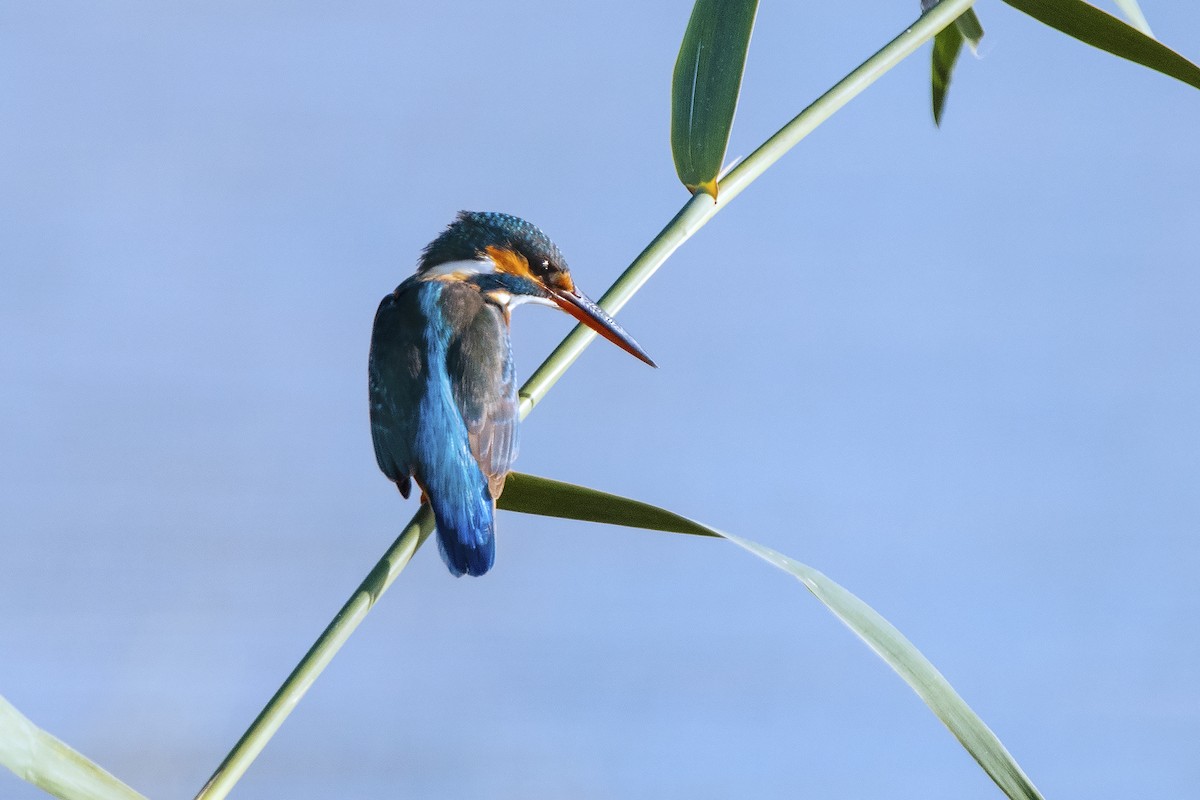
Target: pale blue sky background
957, 370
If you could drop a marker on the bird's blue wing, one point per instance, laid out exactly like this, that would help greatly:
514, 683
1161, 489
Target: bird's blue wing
444, 409
398, 370
484, 383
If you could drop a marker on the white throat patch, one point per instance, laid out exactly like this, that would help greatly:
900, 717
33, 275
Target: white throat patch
460, 269
509, 301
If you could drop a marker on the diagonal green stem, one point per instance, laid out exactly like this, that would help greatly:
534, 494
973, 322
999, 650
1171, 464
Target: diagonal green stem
694, 214
318, 656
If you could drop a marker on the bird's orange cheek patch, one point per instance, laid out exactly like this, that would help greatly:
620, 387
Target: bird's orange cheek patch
509, 262
562, 280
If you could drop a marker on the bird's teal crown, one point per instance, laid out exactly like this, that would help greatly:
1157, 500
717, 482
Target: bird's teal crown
472, 232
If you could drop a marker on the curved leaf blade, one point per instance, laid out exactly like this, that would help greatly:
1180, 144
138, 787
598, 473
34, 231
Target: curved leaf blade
41, 759
705, 88
533, 495
946, 47
910, 664
1092, 26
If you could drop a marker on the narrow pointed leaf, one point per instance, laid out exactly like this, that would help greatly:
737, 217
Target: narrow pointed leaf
946, 47
44, 761
529, 494
1092, 26
534, 495
705, 87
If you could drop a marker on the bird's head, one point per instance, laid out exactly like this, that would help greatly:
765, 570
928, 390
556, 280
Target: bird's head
513, 261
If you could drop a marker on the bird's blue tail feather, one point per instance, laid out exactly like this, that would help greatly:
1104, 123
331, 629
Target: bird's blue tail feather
465, 531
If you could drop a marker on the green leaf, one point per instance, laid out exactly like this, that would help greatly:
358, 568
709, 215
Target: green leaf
44, 761
705, 87
529, 494
534, 495
946, 47
1092, 26
971, 28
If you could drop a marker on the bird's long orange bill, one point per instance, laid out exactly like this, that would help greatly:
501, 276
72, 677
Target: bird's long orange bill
581, 308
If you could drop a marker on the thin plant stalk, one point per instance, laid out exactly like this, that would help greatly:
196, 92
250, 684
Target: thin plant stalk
695, 213
318, 656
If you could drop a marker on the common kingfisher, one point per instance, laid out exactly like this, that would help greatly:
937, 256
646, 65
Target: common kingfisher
443, 387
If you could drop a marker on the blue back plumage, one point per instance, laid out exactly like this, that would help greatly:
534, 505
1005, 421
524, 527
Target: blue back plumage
456, 487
